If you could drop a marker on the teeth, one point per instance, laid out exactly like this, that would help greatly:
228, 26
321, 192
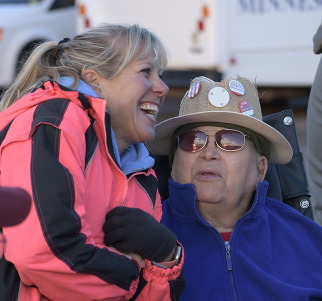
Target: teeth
150, 108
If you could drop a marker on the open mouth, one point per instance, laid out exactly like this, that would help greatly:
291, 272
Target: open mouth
149, 109
207, 174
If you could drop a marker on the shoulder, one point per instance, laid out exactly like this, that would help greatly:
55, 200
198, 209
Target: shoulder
61, 113
317, 41
283, 215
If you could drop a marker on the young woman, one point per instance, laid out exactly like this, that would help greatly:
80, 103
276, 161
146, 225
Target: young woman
73, 127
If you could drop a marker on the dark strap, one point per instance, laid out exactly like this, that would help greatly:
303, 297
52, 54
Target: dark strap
289, 183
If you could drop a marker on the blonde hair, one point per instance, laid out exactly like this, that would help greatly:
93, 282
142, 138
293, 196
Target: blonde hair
107, 49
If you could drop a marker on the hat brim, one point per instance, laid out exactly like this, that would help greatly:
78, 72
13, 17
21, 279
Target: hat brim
280, 149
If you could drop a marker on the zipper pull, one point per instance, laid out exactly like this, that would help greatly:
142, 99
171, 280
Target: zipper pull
49, 87
228, 257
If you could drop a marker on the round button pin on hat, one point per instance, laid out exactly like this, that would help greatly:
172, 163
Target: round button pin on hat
245, 108
194, 89
218, 97
236, 87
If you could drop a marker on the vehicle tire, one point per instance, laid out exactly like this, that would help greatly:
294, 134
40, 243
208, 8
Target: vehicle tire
25, 53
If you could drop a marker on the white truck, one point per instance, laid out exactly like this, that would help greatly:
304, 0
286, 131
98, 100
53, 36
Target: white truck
268, 41
25, 23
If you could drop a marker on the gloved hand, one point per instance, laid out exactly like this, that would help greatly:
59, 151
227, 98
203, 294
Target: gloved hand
132, 230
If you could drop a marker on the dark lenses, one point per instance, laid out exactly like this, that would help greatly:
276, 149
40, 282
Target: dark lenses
192, 141
230, 140
226, 139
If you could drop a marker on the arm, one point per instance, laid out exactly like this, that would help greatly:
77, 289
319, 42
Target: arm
133, 230
59, 249
54, 247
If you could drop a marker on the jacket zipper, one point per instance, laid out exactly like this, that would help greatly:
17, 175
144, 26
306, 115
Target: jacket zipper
227, 247
228, 257
230, 268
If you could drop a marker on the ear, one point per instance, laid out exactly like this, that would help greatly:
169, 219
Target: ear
91, 77
262, 166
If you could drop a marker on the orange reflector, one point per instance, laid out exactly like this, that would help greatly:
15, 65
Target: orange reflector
82, 10
205, 11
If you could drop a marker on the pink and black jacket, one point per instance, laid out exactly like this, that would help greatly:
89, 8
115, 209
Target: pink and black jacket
56, 143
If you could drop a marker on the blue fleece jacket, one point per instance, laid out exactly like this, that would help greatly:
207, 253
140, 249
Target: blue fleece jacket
274, 254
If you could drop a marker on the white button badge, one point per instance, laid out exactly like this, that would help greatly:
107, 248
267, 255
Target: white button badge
218, 97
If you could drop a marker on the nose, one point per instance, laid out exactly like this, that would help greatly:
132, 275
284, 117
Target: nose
211, 151
160, 87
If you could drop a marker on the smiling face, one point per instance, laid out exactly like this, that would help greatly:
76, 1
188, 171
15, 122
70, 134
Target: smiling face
134, 98
224, 178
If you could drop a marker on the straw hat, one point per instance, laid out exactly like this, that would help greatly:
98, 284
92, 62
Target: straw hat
233, 101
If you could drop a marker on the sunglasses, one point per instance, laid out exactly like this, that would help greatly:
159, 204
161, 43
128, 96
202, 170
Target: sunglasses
226, 139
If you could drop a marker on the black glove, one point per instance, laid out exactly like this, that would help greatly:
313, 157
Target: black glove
132, 230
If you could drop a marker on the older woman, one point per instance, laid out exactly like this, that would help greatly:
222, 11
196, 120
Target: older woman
239, 244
